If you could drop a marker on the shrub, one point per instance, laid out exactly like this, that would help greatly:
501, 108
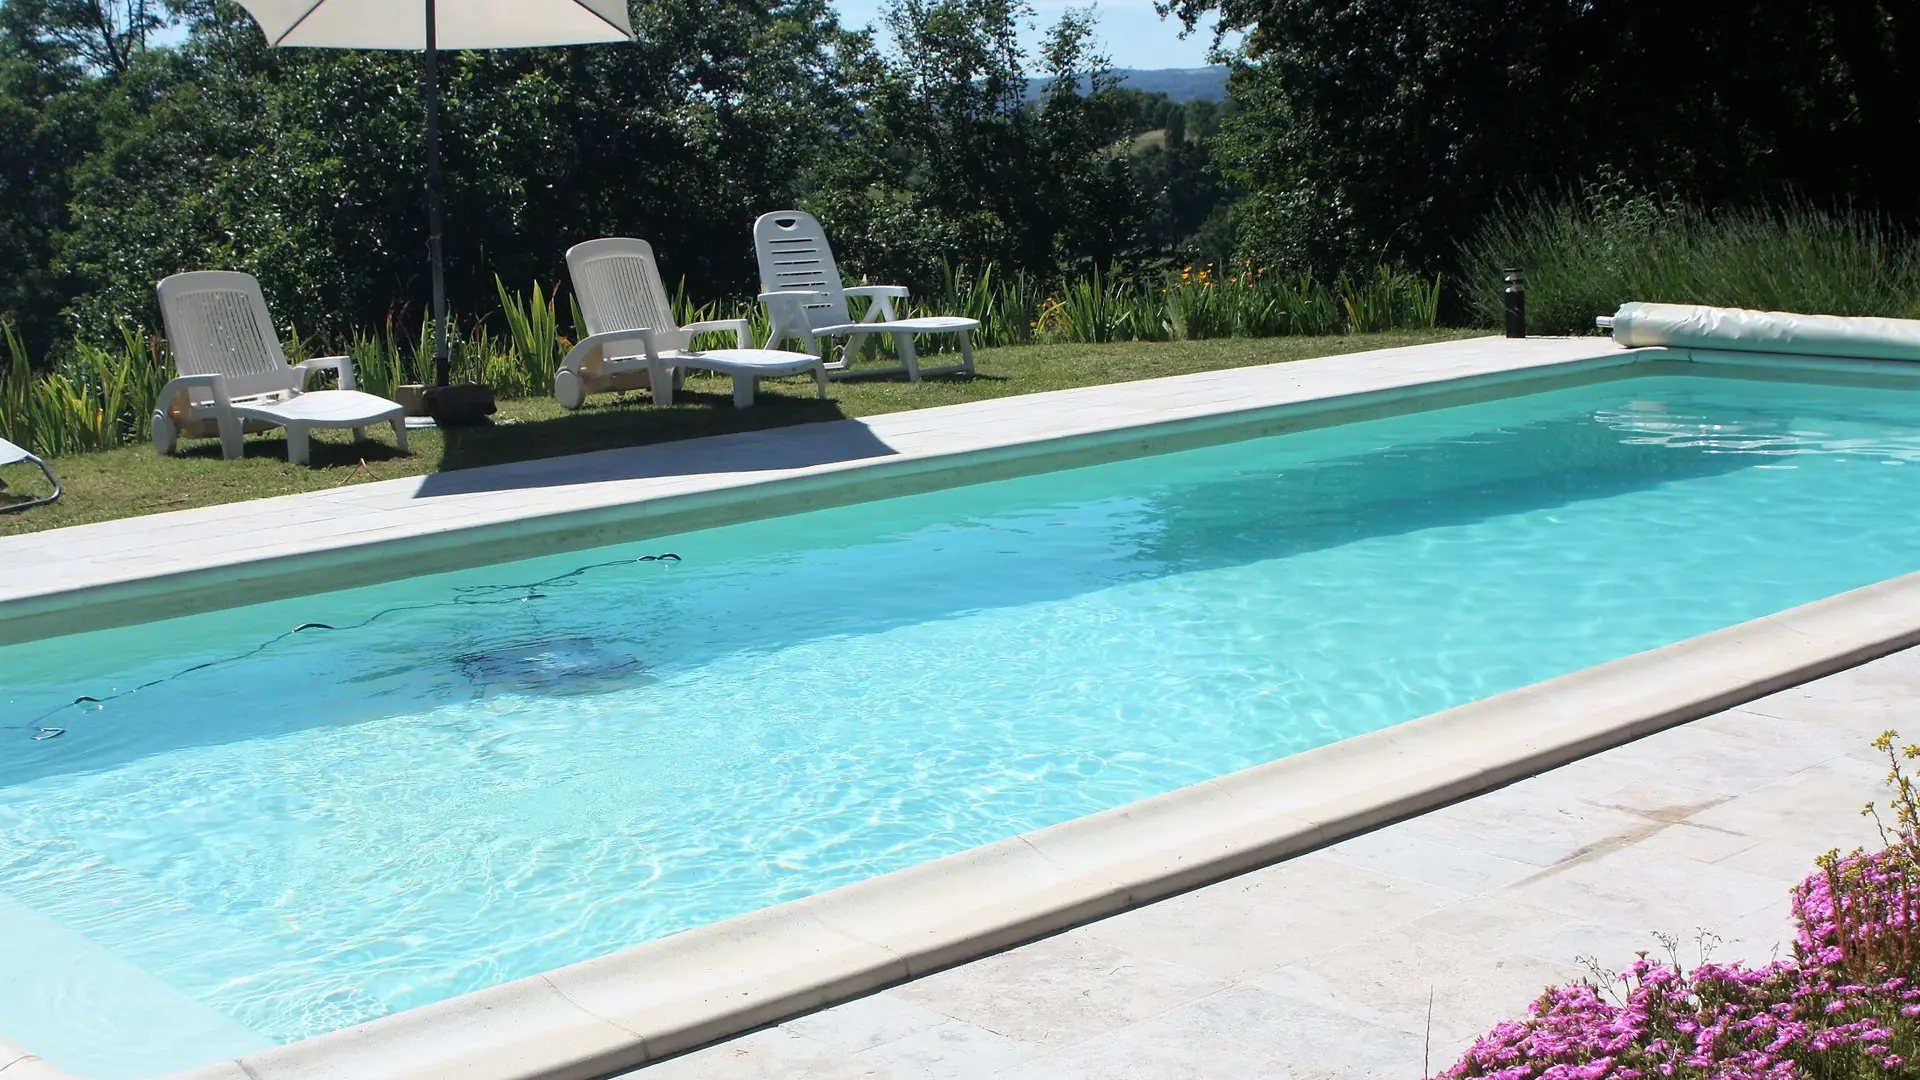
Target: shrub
1585, 256
1196, 302
94, 399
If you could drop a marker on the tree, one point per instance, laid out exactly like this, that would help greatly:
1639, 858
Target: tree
47, 105
304, 166
1379, 130
1173, 168
955, 166
103, 35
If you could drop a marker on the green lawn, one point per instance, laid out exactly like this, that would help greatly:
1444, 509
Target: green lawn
135, 480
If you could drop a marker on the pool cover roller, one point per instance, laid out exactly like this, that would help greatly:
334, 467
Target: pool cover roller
1741, 330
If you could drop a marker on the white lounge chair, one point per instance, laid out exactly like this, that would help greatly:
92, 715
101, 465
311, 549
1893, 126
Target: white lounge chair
632, 339
234, 376
806, 300
13, 455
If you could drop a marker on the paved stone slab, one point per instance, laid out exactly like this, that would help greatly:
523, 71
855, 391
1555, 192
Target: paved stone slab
1386, 955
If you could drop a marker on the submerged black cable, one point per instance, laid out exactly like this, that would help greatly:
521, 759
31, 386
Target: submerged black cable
43, 731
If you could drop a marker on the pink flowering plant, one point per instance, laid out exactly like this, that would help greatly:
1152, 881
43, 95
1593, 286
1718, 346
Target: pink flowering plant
1846, 1005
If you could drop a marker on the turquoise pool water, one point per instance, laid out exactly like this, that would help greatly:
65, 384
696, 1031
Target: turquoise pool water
464, 779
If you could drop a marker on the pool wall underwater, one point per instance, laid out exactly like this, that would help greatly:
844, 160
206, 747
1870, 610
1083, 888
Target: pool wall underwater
657, 999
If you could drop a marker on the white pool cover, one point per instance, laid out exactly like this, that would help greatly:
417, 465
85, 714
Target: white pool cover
1740, 330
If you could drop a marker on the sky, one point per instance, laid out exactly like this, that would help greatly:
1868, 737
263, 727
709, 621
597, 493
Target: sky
1131, 34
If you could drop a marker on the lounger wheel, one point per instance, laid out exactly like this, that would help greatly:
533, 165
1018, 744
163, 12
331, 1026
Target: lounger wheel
164, 435
569, 390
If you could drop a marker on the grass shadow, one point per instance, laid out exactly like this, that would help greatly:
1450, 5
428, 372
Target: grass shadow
22, 484
323, 452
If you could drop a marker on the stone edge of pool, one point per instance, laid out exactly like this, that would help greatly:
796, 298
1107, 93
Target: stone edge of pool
660, 998
654, 1000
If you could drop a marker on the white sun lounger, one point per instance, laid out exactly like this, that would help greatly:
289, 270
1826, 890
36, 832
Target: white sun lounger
806, 300
13, 455
234, 374
631, 333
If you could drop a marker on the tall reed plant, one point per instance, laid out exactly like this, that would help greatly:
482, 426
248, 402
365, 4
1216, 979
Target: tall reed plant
533, 337
97, 399
515, 364
687, 311
1006, 305
1193, 303
1585, 255
1092, 310
381, 362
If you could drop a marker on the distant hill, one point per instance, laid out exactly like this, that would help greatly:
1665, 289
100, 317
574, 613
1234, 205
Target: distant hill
1179, 84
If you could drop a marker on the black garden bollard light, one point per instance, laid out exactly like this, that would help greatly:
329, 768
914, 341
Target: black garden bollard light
1516, 295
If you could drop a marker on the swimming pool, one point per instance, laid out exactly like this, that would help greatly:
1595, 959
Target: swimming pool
459, 780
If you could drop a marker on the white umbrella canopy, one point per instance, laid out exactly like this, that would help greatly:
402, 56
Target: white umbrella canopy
460, 24
429, 26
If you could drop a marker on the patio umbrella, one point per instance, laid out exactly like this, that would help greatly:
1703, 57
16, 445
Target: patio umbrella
458, 25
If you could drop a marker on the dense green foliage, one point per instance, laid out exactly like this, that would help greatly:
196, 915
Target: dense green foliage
1173, 164
304, 167
1383, 129
953, 166
1437, 137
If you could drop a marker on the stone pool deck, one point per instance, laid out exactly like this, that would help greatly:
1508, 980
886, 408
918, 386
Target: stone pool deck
1326, 965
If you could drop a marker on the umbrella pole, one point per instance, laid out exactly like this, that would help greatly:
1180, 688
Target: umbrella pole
431, 91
